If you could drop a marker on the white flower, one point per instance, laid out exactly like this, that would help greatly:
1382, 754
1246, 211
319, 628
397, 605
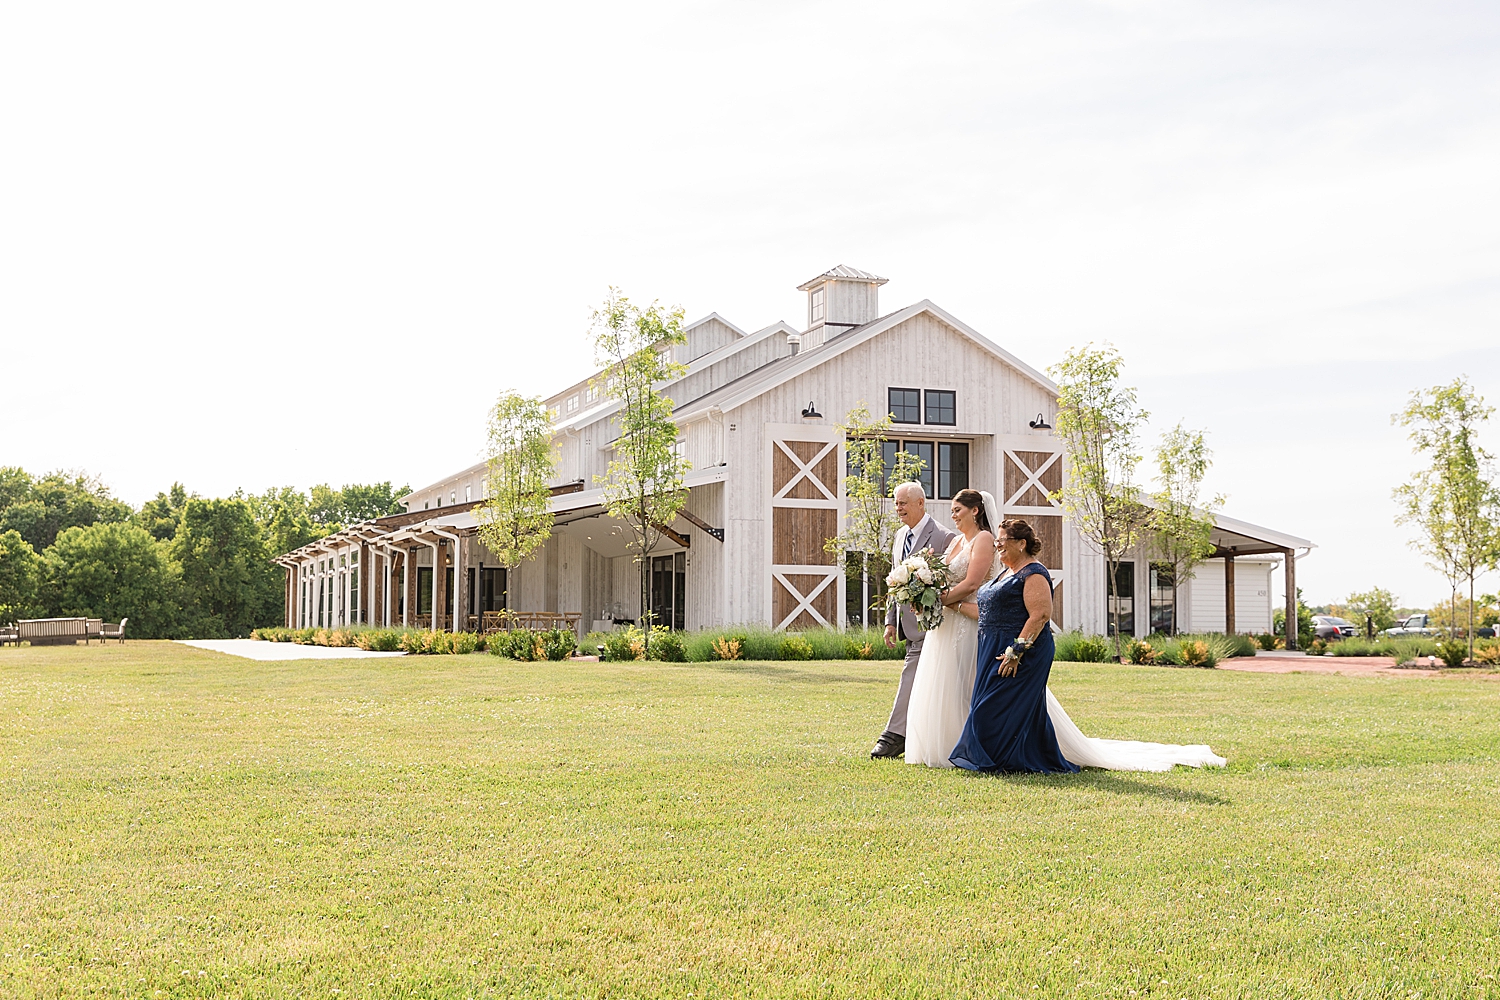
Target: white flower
925, 574
899, 575
914, 563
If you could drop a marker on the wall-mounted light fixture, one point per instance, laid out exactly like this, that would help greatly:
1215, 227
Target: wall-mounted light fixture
1040, 424
812, 411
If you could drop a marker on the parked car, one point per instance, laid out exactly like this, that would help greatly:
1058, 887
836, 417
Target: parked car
1331, 629
1410, 625
1484, 632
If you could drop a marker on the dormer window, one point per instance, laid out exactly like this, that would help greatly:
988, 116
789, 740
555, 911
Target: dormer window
572, 403
815, 307
591, 395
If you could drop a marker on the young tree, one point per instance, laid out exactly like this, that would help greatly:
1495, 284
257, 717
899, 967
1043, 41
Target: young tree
1378, 605
1454, 504
643, 485
513, 519
870, 523
1097, 419
1182, 527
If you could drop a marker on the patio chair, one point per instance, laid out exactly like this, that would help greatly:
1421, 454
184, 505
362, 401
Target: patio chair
114, 631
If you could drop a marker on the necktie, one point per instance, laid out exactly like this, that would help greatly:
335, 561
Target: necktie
911, 536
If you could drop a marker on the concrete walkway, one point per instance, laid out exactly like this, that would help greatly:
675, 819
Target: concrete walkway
254, 649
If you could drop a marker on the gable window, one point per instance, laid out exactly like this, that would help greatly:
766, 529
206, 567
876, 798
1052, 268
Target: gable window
940, 407
572, 403
905, 405
591, 394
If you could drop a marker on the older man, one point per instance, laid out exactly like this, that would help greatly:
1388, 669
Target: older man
918, 531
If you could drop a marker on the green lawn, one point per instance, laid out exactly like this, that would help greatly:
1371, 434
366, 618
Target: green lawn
180, 823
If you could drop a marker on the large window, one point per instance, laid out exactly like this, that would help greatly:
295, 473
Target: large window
1123, 599
952, 468
941, 408
1163, 600
905, 405
945, 465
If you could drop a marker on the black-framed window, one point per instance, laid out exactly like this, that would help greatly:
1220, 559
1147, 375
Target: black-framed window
1122, 600
1163, 599
952, 468
941, 407
905, 405
922, 451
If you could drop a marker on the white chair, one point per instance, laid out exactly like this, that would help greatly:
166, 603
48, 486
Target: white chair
114, 631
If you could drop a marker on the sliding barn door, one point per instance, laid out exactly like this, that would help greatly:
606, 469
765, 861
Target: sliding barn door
1030, 479
807, 583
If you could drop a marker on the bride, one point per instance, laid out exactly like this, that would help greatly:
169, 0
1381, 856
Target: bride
943, 688
944, 683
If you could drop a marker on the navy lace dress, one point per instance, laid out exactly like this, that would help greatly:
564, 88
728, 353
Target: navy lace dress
1008, 728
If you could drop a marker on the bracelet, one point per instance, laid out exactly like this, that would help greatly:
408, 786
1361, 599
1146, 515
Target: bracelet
1021, 645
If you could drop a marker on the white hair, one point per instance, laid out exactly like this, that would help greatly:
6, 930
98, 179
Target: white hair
910, 485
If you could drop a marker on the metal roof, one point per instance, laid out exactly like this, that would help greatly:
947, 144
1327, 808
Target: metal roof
842, 271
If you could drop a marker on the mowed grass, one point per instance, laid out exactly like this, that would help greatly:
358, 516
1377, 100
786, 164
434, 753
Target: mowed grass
181, 823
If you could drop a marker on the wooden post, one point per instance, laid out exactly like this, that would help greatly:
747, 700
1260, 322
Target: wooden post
1229, 626
409, 566
366, 585
439, 584
1291, 597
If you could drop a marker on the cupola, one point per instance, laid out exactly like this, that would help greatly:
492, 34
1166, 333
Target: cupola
838, 300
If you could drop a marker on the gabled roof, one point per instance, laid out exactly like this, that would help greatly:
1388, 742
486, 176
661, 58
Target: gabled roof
842, 271
713, 315
713, 357
768, 377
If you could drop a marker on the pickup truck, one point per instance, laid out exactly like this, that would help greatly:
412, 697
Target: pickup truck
1410, 625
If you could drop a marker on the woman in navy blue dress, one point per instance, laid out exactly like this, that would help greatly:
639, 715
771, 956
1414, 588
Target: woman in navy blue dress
1008, 727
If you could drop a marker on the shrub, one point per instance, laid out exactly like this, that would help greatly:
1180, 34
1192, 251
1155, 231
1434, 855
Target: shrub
628, 643
1075, 647
1139, 651
1241, 645
1487, 653
668, 646
1266, 640
464, 642
558, 643
1453, 652
1317, 647
727, 647
795, 647
856, 650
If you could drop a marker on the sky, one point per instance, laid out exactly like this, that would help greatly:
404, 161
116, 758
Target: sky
284, 244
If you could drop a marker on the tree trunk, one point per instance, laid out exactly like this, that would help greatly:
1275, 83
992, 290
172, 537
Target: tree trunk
1471, 619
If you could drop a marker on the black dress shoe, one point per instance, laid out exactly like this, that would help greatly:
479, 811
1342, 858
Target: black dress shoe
889, 745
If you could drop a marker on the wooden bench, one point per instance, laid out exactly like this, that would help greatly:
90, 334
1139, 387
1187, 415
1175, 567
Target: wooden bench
53, 631
9, 635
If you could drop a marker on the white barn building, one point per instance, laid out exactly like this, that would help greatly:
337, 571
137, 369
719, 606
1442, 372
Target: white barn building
757, 414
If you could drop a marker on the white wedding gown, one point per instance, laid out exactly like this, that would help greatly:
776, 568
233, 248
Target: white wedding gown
944, 687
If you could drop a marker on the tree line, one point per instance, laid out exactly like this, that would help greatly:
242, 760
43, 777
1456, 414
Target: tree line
179, 566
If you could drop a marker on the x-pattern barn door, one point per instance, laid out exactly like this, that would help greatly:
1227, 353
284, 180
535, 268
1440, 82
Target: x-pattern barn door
1030, 477
803, 467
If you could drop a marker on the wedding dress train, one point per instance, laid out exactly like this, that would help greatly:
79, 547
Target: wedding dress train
1123, 755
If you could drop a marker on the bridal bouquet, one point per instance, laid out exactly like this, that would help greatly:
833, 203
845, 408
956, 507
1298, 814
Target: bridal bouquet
919, 580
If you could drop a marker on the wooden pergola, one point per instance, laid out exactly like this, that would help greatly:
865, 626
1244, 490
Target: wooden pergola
1234, 538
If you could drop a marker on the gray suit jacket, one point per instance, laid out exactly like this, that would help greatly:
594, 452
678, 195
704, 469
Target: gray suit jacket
933, 536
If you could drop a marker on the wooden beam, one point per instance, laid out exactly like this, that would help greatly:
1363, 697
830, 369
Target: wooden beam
675, 535
694, 519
